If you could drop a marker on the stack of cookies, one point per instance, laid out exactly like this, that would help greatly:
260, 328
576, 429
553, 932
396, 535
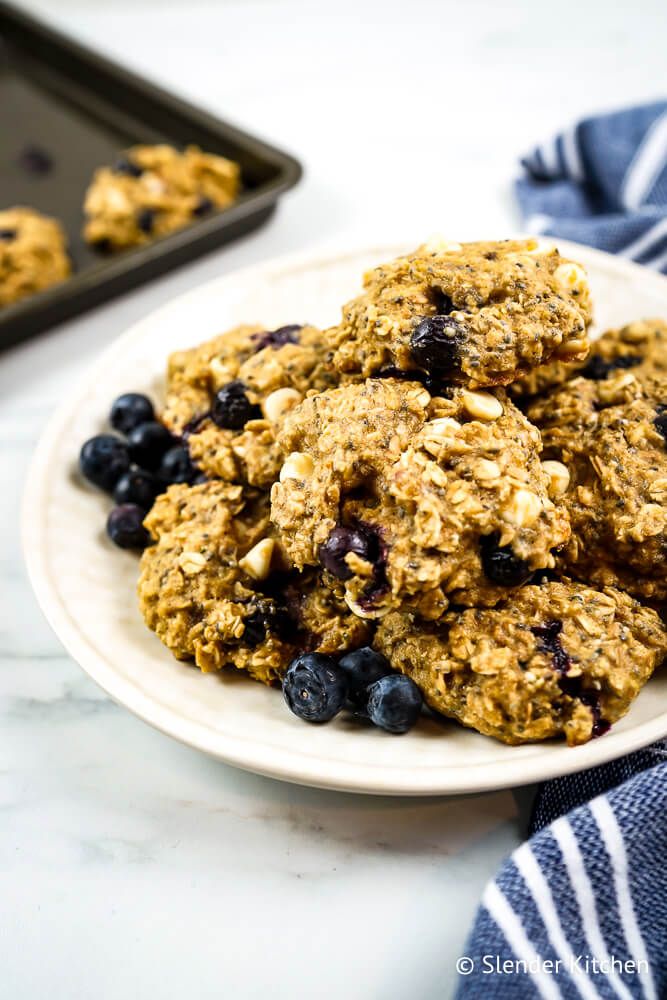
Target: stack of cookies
452, 475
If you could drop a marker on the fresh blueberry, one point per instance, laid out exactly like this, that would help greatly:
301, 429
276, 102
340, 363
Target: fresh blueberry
278, 338
148, 442
598, 369
342, 540
35, 160
231, 408
203, 206
435, 344
130, 410
146, 220
501, 565
137, 487
394, 703
315, 687
103, 460
127, 167
125, 527
176, 466
7, 235
363, 667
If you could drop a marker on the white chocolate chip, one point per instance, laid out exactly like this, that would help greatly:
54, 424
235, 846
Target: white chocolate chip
153, 183
486, 469
360, 612
280, 402
559, 478
438, 244
523, 509
298, 465
116, 200
571, 276
191, 562
482, 405
538, 246
257, 562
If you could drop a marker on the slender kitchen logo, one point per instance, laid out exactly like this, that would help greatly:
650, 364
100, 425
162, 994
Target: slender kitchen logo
496, 965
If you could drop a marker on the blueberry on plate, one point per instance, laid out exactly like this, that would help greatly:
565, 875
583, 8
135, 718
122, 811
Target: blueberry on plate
315, 687
501, 565
130, 410
362, 668
103, 460
231, 408
394, 703
148, 442
342, 540
177, 467
125, 527
137, 487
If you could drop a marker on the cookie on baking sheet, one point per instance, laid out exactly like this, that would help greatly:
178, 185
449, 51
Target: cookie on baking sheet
33, 254
415, 501
477, 314
154, 190
560, 659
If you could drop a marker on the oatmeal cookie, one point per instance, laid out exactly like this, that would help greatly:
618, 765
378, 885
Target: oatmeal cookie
153, 190
478, 314
415, 501
560, 659
230, 396
215, 587
608, 438
641, 346
33, 254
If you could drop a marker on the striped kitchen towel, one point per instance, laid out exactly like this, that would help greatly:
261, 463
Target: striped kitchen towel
603, 182
580, 909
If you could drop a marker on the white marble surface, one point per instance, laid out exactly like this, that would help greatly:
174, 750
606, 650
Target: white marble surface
132, 866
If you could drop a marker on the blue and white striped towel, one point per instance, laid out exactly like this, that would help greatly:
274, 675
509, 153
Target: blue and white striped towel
603, 182
580, 909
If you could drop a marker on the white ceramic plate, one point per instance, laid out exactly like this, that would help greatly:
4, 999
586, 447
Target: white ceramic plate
87, 587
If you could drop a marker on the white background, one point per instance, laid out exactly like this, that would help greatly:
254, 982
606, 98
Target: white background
134, 867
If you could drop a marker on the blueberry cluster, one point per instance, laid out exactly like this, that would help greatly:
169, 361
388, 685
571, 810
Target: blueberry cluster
317, 687
134, 468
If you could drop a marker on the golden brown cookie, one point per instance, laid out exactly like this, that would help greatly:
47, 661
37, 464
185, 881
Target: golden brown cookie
262, 375
415, 501
33, 254
216, 589
560, 659
611, 437
153, 190
477, 314
640, 346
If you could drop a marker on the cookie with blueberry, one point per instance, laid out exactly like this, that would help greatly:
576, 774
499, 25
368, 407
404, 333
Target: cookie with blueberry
412, 500
557, 660
153, 190
473, 314
229, 396
33, 254
611, 435
216, 588
640, 347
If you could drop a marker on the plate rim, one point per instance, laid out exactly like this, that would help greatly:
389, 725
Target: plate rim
256, 756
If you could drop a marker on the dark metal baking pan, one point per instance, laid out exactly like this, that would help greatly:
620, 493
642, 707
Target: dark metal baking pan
81, 109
